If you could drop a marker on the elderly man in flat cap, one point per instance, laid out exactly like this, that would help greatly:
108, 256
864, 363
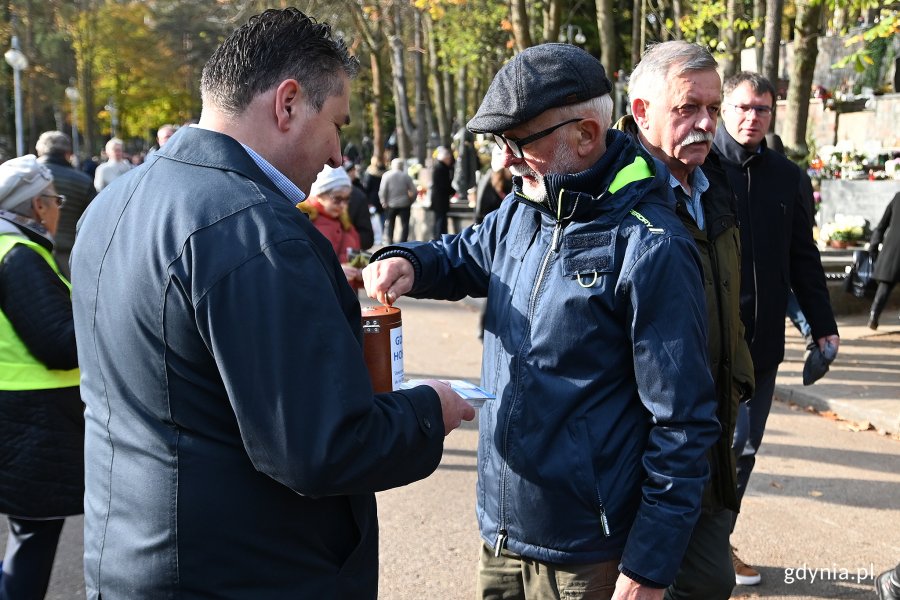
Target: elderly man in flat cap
591, 459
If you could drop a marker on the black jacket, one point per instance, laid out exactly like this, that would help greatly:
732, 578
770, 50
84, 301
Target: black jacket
441, 187
778, 251
887, 232
79, 190
41, 431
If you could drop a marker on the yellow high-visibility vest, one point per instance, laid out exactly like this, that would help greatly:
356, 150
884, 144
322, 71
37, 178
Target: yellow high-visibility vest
19, 369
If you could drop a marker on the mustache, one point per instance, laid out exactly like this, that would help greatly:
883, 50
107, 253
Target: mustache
522, 170
696, 137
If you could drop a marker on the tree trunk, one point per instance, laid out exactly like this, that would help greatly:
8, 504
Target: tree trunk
519, 18
450, 99
772, 47
405, 128
462, 105
677, 13
806, 36
643, 25
377, 105
421, 87
437, 82
371, 30
637, 15
732, 61
608, 38
759, 32
552, 20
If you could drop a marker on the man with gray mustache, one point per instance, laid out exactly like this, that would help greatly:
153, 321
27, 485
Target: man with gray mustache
675, 95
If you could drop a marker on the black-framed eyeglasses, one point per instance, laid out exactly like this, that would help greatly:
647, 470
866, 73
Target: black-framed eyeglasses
339, 198
761, 110
59, 198
515, 145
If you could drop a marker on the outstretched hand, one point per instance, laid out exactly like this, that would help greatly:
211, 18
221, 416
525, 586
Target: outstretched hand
455, 410
388, 279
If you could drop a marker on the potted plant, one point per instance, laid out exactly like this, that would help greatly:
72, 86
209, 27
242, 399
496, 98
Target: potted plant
843, 233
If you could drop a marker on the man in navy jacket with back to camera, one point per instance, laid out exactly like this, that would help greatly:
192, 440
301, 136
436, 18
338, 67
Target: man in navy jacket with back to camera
233, 441
591, 459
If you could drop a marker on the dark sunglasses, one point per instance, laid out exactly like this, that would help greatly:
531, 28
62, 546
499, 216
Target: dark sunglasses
515, 145
60, 199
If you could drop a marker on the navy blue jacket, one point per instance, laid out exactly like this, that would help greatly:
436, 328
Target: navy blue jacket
233, 441
595, 345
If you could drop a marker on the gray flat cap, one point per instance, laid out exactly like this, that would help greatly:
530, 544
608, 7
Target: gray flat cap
537, 79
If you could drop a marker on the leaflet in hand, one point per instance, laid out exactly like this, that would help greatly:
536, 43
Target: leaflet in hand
470, 392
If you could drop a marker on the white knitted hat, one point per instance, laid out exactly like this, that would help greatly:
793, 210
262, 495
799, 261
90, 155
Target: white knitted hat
330, 179
22, 179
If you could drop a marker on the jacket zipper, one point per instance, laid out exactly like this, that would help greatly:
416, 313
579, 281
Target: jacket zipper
604, 523
552, 249
753, 250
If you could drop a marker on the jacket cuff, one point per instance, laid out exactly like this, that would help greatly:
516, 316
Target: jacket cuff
642, 580
394, 251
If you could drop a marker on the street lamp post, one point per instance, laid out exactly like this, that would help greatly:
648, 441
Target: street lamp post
74, 97
19, 63
113, 117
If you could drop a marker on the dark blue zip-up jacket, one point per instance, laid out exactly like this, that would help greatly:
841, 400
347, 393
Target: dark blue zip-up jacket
595, 345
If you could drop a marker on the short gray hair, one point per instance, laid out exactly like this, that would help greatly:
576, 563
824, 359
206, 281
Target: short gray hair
112, 143
600, 108
658, 63
53, 143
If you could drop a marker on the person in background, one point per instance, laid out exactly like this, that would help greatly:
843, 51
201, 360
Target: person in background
884, 247
494, 185
54, 150
326, 207
89, 166
41, 422
358, 209
371, 181
115, 166
591, 459
671, 76
778, 254
234, 443
397, 192
162, 136
441, 190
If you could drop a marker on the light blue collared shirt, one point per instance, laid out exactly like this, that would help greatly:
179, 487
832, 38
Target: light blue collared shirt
284, 184
699, 184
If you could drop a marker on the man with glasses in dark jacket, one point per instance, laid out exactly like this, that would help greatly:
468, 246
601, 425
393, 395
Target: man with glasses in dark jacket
591, 459
778, 254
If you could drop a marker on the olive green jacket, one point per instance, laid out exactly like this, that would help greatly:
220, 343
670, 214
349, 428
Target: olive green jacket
730, 362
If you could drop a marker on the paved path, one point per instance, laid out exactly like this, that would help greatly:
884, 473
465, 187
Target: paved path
822, 497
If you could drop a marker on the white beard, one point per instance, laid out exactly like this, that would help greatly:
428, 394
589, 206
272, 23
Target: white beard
563, 163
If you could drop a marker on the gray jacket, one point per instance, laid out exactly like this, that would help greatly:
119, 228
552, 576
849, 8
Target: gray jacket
397, 190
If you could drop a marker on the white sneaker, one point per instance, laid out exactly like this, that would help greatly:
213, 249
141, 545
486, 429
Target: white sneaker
744, 574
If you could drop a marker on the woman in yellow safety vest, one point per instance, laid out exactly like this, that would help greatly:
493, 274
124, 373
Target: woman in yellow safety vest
41, 415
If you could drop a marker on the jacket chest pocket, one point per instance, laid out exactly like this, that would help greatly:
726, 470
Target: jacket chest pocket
587, 256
